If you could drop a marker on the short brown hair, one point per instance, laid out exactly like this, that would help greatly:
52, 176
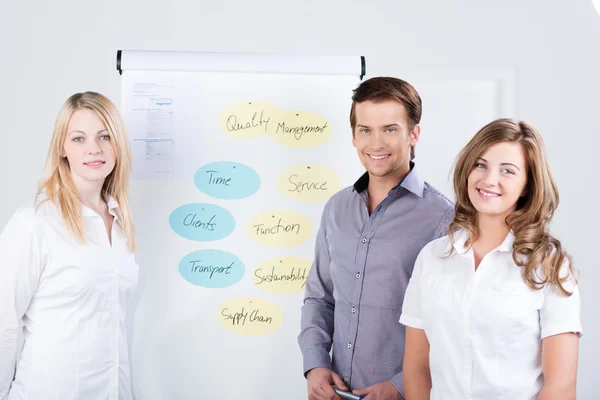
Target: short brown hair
387, 88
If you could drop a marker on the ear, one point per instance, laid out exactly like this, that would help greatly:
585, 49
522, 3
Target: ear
415, 134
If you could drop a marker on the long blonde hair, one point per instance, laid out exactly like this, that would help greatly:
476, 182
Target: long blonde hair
530, 221
57, 182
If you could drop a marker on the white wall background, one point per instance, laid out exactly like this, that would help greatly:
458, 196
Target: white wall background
49, 50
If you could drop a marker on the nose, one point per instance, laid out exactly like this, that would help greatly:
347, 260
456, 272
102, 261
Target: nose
93, 148
491, 177
377, 140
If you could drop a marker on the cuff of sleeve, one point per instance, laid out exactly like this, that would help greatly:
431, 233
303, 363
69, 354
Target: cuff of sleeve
574, 327
316, 357
413, 322
398, 382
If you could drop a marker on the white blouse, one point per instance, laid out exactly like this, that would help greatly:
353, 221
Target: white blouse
485, 327
72, 300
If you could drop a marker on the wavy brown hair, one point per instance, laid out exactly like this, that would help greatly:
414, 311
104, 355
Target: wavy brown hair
534, 246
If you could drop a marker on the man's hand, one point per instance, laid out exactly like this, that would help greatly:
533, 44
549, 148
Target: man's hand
319, 381
380, 391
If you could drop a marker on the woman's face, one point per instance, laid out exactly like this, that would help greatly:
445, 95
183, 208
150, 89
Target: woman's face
88, 148
498, 179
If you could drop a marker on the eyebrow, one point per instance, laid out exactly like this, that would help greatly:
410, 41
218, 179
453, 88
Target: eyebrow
385, 126
82, 132
484, 160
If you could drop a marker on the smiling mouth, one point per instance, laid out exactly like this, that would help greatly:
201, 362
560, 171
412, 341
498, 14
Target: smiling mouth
94, 163
379, 156
486, 193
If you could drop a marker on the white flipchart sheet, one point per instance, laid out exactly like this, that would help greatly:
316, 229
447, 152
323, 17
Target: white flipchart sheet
234, 159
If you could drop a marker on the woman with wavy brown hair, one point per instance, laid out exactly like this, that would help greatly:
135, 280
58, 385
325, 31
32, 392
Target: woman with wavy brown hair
492, 309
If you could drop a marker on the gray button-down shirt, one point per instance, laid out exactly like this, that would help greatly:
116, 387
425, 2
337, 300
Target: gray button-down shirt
355, 289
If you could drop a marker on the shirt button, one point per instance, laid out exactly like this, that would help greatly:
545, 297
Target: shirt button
353, 310
364, 240
346, 379
349, 345
357, 275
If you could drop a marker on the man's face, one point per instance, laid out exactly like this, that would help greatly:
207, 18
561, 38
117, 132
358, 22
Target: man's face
383, 137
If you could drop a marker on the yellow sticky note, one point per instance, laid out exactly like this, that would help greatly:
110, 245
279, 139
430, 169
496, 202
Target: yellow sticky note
282, 275
250, 316
249, 119
279, 228
300, 129
309, 182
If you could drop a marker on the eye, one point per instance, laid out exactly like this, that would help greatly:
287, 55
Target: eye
390, 130
363, 130
105, 137
508, 171
480, 165
78, 139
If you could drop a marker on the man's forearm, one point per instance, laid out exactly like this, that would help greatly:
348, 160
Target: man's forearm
316, 335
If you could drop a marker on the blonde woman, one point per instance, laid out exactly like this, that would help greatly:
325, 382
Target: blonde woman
492, 309
67, 267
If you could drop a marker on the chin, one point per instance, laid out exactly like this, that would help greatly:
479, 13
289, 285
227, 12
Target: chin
379, 170
95, 178
490, 213
379, 174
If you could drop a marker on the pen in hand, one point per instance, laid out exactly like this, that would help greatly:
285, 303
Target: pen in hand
347, 395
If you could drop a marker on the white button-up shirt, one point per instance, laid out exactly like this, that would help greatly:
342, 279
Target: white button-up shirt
485, 327
71, 299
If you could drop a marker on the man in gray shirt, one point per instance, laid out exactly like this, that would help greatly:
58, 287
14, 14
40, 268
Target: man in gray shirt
368, 241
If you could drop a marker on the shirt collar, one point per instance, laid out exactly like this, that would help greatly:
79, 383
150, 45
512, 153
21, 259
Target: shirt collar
461, 237
411, 182
112, 204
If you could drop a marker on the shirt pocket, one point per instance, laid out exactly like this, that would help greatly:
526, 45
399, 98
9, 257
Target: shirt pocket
514, 304
434, 295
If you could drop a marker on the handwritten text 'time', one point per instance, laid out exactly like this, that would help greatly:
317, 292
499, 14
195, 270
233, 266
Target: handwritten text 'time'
215, 179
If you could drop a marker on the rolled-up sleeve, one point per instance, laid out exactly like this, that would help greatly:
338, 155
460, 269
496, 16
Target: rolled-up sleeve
561, 313
20, 266
317, 318
398, 382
